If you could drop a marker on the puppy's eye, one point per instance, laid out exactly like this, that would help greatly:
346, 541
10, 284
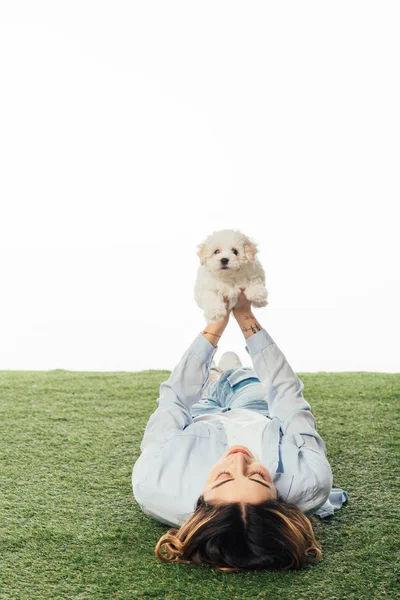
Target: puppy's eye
235, 251
216, 251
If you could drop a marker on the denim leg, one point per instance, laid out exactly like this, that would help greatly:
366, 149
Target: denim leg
245, 391
223, 395
209, 402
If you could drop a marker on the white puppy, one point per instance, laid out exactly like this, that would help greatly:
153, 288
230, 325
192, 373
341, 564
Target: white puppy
227, 263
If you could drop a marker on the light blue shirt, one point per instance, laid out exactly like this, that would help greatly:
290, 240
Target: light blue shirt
177, 454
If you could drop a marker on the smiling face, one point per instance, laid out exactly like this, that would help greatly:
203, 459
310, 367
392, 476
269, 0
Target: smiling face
238, 477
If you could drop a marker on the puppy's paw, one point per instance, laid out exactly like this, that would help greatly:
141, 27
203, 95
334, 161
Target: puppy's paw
216, 314
257, 294
260, 303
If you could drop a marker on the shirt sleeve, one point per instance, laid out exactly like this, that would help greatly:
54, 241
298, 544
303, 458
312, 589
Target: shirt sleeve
312, 478
178, 394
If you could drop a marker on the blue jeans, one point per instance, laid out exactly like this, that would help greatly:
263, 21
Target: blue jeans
236, 388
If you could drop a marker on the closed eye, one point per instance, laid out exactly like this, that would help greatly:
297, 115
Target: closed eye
232, 479
250, 474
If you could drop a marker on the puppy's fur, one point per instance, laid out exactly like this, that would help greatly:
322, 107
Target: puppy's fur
227, 263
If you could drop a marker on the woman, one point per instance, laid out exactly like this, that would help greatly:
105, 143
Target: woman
235, 471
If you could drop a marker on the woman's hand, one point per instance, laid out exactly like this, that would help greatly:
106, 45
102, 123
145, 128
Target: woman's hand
243, 304
244, 316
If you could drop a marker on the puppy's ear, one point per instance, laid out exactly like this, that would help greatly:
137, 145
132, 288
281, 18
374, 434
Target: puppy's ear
202, 253
250, 250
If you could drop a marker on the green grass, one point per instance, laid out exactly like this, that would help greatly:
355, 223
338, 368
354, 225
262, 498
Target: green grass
70, 527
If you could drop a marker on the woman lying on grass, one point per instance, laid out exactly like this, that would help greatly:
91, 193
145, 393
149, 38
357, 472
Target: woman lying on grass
233, 467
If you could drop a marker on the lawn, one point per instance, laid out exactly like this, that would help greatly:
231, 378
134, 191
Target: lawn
70, 527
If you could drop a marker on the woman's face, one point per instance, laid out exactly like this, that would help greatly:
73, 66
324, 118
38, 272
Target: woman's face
241, 482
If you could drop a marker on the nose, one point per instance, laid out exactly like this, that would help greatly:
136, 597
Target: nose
240, 462
224, 261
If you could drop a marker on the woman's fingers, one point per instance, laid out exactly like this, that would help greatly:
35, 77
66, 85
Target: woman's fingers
243, 303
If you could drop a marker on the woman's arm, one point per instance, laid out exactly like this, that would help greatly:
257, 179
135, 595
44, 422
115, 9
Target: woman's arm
283, 387
285, 400
184, 387
247, 322
213, 331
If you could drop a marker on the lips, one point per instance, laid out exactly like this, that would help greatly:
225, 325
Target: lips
239, 450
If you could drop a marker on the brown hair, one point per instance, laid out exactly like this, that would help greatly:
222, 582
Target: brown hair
271, 535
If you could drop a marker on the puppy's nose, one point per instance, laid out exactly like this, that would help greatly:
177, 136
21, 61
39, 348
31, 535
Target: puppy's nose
224, 261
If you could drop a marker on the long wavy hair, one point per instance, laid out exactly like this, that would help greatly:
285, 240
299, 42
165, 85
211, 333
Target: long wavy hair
272, 535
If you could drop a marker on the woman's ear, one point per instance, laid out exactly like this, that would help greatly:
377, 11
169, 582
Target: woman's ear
250, 250
202, 253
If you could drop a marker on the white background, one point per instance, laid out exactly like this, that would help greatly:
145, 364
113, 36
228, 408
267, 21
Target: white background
129, 131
